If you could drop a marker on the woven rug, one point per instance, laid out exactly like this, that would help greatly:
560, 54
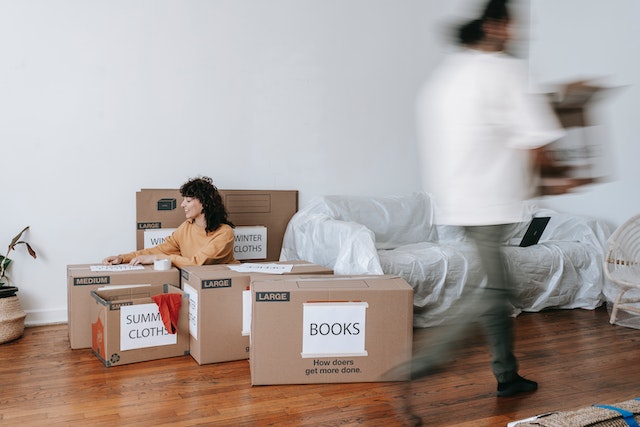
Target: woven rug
623, 414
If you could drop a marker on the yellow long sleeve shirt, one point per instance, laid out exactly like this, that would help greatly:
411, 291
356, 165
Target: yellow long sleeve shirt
190, 244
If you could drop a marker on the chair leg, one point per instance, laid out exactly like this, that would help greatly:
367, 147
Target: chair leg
616, 303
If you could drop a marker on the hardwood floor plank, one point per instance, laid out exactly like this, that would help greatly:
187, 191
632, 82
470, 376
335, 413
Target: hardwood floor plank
575, 355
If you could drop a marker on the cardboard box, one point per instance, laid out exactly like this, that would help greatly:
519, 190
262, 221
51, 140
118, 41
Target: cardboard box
250, 241
127, 326
160, 208
336, 329
84, 278
217, 314
582, 156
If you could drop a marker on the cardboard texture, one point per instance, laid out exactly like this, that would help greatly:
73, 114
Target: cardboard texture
127, 326
336, 329
160, 208
81, 281
216, 308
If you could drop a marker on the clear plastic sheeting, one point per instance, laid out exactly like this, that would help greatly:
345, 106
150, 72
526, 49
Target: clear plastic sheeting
396, 235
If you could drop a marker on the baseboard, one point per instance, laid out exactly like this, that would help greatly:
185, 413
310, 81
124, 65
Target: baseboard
45, 317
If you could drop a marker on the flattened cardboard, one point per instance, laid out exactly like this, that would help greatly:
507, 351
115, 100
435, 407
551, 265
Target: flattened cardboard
106, 324
277, 352
81, 281
269, 208
216, 312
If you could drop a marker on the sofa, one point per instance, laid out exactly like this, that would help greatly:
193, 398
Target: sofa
396, 235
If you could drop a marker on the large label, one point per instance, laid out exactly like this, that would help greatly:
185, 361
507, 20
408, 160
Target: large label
141, 327
334, 329
273, 296
216, 283
149, 225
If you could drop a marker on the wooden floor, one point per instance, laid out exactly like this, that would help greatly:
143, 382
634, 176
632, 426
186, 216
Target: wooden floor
575, 355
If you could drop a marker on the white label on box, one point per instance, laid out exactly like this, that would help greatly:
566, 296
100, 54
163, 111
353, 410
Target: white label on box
117, 267
109, 287
334, 329
246, 313
193, 309
250, 242
270, 268
156, 236
141, 327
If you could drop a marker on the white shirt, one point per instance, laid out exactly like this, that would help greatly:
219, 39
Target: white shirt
477, 123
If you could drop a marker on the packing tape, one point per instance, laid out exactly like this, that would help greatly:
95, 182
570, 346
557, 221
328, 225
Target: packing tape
162, 264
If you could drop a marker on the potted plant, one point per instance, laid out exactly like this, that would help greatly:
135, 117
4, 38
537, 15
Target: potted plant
11, 314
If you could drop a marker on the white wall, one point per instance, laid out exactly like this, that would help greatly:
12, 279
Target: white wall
101, 98
578, 39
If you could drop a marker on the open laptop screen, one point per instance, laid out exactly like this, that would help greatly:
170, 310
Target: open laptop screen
534, 231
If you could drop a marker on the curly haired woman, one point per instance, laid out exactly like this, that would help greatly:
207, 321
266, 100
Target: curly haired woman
206, 237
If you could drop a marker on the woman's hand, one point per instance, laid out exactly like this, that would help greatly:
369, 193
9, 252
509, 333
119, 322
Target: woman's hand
143, 259
112, 260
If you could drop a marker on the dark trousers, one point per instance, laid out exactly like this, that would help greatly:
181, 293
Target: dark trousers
488, 305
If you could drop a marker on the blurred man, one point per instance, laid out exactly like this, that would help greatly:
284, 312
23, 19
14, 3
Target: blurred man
479, 133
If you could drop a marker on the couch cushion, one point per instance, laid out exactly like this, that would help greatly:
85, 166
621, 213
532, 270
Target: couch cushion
395, 220
438, 274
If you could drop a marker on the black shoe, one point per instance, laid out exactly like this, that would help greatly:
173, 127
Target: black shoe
515, 386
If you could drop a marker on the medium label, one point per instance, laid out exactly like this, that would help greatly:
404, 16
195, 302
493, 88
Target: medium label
94, 280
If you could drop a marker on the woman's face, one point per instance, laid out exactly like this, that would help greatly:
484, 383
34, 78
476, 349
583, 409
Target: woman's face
192, 207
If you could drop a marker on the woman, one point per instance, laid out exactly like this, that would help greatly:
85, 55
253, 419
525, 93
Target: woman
206, 237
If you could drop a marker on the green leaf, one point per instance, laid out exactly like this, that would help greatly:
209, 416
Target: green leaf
4, 262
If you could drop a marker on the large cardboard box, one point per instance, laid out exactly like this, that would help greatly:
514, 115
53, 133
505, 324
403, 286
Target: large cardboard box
217, 316
127, 325
160, 208
334, 329
84, 278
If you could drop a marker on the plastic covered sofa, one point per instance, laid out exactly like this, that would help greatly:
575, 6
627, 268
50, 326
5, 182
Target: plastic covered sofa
396, 235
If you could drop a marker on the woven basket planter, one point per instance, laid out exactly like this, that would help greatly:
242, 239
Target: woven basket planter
11, 319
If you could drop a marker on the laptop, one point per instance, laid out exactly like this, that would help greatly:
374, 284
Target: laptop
534, 231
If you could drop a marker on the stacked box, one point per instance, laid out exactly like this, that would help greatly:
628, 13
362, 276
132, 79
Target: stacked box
272, 209
82, 279
333, 329
218, 317
127, 324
